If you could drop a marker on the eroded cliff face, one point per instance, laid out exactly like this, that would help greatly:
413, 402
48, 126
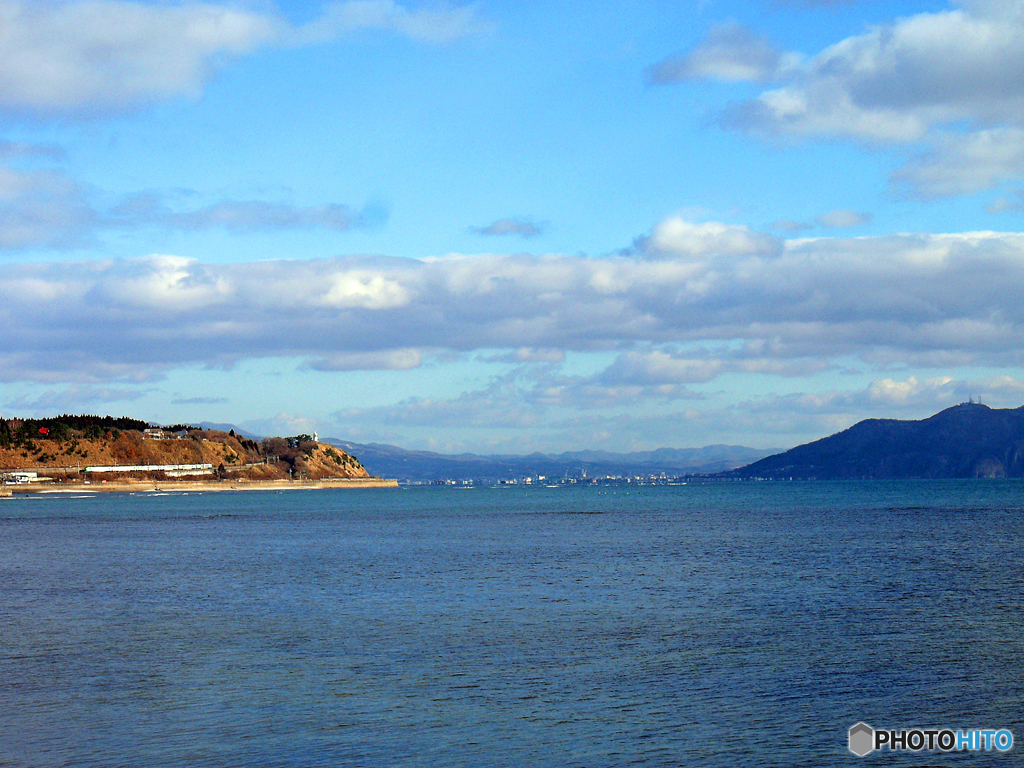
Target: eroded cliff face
325, 461
230, 455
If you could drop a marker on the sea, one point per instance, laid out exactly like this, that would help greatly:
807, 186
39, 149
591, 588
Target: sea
718, 624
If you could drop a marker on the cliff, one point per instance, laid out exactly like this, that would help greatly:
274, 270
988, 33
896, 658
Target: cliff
63, 449
968, 440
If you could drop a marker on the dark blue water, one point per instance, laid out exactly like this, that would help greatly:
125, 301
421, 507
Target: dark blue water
740, 624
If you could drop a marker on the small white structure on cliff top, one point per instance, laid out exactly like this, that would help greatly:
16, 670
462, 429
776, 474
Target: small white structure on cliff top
155, 433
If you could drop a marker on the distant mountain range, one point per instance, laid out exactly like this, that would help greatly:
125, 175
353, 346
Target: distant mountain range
967, 440
425, 466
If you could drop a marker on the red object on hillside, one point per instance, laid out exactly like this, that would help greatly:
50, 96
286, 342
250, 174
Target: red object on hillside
44, 430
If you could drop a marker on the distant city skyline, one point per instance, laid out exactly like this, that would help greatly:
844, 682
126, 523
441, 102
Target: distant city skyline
500, 227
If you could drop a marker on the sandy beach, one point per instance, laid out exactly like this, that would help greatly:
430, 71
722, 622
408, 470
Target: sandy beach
170, 486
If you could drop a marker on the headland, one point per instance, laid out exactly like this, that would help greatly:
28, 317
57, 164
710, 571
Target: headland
108, 455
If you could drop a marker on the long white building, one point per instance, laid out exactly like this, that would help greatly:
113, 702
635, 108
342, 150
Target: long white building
174, 470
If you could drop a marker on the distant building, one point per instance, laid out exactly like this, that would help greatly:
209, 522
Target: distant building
155, 433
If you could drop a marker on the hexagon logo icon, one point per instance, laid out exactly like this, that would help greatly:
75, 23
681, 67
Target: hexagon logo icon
862, 739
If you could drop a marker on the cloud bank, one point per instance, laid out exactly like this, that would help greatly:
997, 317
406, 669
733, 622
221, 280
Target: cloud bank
516, 412
915, 299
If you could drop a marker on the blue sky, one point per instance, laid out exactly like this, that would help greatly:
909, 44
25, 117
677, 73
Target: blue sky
507, 227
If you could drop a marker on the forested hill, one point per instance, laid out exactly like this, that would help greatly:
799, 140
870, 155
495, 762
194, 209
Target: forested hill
968, 440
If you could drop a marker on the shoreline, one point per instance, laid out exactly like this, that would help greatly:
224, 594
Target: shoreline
170, 486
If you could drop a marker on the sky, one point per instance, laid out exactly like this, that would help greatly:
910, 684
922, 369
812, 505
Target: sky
503, 227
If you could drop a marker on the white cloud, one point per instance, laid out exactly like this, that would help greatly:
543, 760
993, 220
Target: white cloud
533, 399
360, 288
911, 397
282, 424
792, 227
384, 360
949, 82
841, 219
530, 355
1002, 204
73, 398
521, 227
110, 54
165, 284
16, 149
897, 80
93, 56
42, 207
677, 236
198, 400
45, 208
500, 405
901, 392
659, 367
516, 414
961, 164
237, 215
730, 53
440, 24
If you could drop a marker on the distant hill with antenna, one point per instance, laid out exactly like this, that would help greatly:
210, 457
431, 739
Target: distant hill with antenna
967, 440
